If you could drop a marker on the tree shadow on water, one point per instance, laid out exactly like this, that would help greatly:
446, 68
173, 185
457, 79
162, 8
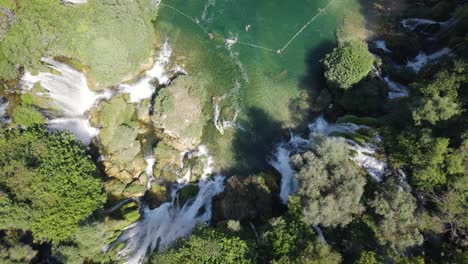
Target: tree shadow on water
311, 85
253, 143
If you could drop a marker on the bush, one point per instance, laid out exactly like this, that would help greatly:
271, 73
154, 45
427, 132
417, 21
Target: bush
348, 64
206, 246
49, 186
27, 115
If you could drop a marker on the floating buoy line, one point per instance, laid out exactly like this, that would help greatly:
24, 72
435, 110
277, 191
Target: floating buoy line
252, 45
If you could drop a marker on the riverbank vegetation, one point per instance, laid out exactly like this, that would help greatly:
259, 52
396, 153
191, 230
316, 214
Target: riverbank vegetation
55, 208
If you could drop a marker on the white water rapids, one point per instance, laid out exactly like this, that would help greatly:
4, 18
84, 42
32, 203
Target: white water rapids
423, 58
3, 107
396, 90
413, 23
143, 87
364, 156
159, 228
70, 95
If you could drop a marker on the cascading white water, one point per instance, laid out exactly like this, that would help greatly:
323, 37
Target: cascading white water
201, 152
364, 156
413, 23
281, 162
3, 107
160, 227
74, 2
396, 90
80, 127
380, 44
70, 95
422, 59
143, 87
150, 160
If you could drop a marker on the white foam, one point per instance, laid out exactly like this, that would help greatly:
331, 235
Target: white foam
380, 44
422, 59
150, 160
68, 90
143, 88
80, 127
396, 90
413, 23
3, 107
160, 227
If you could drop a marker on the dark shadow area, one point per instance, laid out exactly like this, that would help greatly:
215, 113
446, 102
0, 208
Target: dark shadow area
254, 143
313, 85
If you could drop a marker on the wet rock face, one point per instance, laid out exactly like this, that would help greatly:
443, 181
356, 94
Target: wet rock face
178, 113
245, 199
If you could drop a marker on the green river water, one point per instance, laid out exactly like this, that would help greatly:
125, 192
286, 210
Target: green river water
270, 90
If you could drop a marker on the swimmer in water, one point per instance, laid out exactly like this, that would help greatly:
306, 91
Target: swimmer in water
211, 35
247, 27
278, 51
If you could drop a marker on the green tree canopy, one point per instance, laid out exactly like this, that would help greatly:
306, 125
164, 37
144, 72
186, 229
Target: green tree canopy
396, 224
330, 184
429, 159
48, 183
206, 246
348, 64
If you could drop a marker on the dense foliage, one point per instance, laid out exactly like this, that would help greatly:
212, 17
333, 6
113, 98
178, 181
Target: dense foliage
111, 37
347, 64
207, 246
330, 184
48, 183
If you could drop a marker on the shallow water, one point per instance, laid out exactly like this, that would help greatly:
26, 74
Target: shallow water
246, 35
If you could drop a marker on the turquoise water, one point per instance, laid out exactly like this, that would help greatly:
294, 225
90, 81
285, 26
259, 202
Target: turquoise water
270, 90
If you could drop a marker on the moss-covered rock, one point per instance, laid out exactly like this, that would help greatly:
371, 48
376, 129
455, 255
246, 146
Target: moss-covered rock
189, 191
167, 162
246, 199
178, 111
118, 138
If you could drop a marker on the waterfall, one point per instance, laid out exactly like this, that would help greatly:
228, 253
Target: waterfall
281, 162
80, 127
380, 44
396, 90
201, 152
364, 156
70, 95
3, 107
150, 160
144, 87
74, 2
160, 227
422, 59
413, 23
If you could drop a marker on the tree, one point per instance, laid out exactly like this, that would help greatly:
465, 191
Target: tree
315, 252
348, 64
48, 183
429, 159
368, 257
206, 246
434, 110
395, 207
330, 184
